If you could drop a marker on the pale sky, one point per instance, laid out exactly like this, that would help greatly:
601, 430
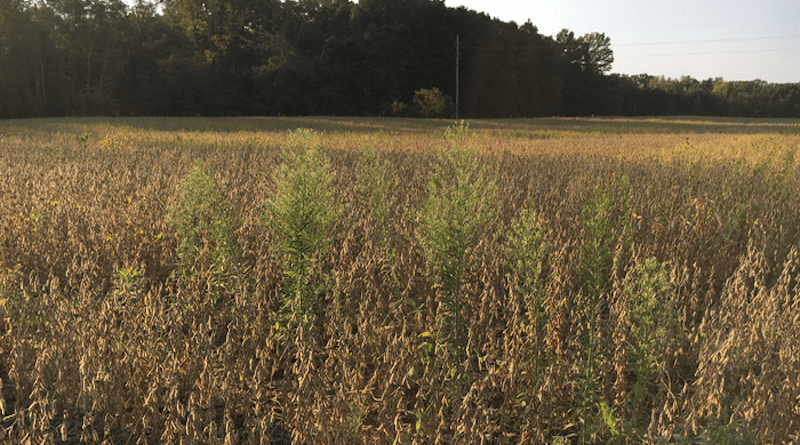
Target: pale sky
732, 39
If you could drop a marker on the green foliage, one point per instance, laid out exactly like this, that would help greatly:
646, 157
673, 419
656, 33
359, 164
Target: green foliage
602, 236
527, 254
128, 284
653, 312
652, 316
427, 103
590, 52
76, 57
610, 421
597, 250
206, 226
458, 210
598, 48
433, 103
301, 215
726, 430
400, 109
595, 256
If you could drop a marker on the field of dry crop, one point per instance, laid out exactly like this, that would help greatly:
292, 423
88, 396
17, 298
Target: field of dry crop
387, 281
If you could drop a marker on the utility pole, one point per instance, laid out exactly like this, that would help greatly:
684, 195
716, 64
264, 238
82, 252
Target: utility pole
457, 63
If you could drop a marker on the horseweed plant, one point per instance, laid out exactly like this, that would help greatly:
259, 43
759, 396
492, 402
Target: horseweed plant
600, 235
300, 216
595, 256
527, 253
458, 209
204, 220
653, 314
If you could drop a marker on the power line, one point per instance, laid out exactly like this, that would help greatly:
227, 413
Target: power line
617, 45
710, 53
685, 42
490, 58
718, 25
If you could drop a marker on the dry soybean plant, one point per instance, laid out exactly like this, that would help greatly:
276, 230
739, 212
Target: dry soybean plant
520, 282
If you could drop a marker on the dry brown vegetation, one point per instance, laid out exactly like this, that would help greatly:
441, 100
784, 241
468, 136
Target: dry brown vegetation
103, 340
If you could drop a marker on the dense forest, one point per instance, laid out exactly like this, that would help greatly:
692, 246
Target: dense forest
329, 57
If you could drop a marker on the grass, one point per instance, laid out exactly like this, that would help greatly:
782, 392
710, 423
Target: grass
623, 280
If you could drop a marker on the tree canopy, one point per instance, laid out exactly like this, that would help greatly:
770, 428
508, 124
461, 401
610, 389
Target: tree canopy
327, 57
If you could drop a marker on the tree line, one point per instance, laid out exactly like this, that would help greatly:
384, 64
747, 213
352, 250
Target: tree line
328, 57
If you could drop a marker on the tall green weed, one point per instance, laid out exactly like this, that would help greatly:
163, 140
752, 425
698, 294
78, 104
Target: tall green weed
459, 207
301, 215
527, 251
653, 315
604, 231
206, 226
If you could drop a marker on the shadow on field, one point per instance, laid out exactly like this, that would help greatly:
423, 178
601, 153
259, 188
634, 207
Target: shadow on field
641, 125
515, 128
229, 124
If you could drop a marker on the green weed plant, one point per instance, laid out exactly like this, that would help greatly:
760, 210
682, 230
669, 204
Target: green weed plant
595, 257
653, 315
527, 251
301, 216
458, 210
206, 226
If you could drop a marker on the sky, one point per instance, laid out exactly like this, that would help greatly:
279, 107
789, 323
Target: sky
732, 39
